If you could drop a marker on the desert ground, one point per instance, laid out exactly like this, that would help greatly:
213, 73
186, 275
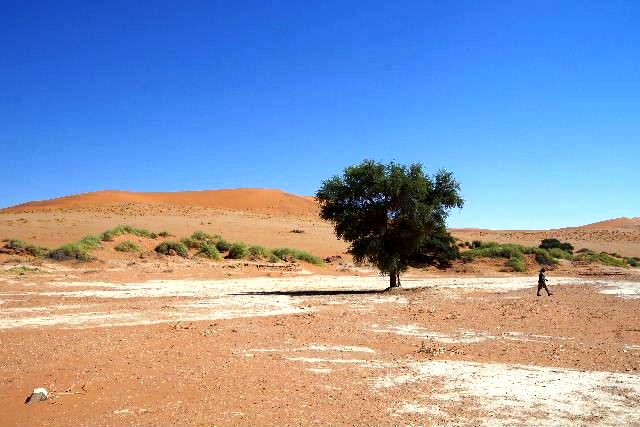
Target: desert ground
153, 340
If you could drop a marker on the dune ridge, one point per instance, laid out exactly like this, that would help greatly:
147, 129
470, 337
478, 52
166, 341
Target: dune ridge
244, 199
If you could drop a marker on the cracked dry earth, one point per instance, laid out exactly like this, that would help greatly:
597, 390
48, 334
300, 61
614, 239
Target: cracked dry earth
319, 350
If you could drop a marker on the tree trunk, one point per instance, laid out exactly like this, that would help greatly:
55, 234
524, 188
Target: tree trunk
394, 280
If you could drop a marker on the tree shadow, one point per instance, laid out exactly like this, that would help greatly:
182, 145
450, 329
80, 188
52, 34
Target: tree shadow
311, 293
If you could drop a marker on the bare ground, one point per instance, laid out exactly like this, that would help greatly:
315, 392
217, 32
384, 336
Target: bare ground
303, 349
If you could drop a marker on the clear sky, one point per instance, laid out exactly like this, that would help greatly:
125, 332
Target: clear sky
534, 105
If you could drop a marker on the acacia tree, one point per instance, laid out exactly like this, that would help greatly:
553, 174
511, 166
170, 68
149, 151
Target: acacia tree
392, 215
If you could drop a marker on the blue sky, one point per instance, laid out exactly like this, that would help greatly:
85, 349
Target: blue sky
535, 106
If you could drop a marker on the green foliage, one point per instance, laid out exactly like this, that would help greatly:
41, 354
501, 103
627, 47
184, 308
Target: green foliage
78, 250
556, 244
223, 245
389, 212
22, 247
15, 244
560, 253
210, 251
121, 230
37, 251
171, 248
510, 251
191, 243
439, 249
274, 258
494, 250
165, 234
601, 258
90, 242
543, 258
238, 250
127, 246
517, 264
633, 261
70, 251
475, 244
284, 253
23, 269
202, 236
199, 239
259, 251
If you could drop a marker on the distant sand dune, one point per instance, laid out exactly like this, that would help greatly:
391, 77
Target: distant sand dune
251, 199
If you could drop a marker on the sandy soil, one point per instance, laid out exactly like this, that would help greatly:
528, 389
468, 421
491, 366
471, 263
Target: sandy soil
259, 216
152, 340
303, 349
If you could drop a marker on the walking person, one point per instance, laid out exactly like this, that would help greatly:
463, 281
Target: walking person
542, 282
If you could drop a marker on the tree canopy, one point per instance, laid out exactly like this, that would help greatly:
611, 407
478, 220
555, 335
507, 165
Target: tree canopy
392, 215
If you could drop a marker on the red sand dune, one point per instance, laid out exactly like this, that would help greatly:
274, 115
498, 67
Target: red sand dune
614, 223
249, 199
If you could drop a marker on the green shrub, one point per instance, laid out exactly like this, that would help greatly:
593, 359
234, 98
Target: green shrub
223, 245
274, 258
202, 236
510, 251
192, 243
466, 257
198, 239
556, 244
210, 251
517, 264
121, 230
170, 248
23, 269
259, 251
493, 250
283, 253
238, 250
16, 244
602, 258
70, 251
127, 246
475, 244
90, 242
107, 236
560, 253
165, 234
543, 258
33, 250
37, 251
633, 262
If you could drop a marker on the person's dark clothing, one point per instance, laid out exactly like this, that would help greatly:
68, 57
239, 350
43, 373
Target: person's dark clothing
542, 283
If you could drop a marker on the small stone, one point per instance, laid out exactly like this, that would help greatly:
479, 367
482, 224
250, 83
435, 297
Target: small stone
38, 395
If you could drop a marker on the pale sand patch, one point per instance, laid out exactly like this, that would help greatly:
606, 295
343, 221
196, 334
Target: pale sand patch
264, 296
417, 408
168, 288
315, 347
516, 394
363, 363
320, 370
322, 361
223, 308
623, 289
464, 337
460, 336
